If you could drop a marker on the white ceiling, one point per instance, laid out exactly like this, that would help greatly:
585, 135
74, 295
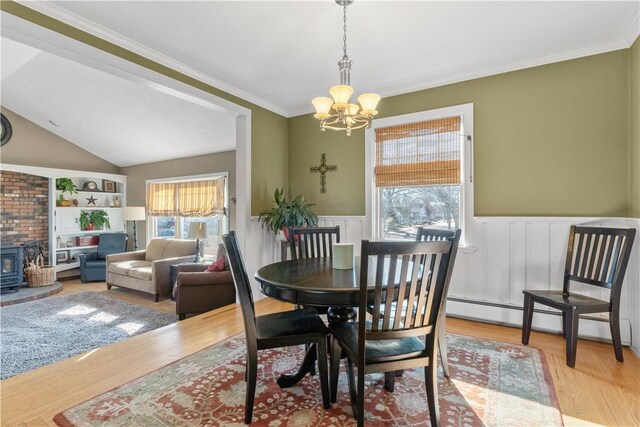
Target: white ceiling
281, 54
123, 122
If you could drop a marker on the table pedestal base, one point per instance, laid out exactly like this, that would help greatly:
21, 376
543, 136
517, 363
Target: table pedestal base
334, 315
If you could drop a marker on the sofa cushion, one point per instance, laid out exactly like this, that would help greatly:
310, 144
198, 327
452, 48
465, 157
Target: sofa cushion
177, 248
143, 273
123, 268
169, 248
155, 249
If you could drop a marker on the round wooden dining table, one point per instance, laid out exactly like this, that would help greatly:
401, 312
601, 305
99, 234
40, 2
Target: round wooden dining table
314, 282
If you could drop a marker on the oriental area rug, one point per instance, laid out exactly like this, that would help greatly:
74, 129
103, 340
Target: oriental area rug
41, 332
492, 384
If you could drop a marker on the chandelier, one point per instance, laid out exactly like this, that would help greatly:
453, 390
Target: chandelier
345, 115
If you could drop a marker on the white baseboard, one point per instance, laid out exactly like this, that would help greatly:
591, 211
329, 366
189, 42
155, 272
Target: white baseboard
543, 320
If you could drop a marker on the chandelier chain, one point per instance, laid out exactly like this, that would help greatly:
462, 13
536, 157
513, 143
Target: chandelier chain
344, 29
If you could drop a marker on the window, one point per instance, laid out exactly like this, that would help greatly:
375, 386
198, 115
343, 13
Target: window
174, 204
419, 174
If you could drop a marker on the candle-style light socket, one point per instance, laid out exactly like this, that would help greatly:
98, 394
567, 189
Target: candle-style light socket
343, 256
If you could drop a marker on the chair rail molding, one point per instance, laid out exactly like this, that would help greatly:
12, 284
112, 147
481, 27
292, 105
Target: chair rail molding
510, 254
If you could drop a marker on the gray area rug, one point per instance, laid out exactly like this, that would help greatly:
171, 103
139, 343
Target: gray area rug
38, 333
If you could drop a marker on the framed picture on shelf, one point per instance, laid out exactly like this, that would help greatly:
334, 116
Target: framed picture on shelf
108, 186
62, 256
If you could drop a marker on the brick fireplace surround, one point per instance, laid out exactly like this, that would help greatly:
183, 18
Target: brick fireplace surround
24, 209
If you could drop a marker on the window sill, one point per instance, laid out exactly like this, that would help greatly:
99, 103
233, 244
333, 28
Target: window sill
467, 249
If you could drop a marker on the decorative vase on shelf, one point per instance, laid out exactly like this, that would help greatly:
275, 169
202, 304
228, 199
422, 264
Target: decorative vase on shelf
116, 201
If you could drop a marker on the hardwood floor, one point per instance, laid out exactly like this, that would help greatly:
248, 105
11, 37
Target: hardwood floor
598, 391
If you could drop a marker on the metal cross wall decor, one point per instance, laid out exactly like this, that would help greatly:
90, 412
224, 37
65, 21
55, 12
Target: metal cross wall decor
323, 169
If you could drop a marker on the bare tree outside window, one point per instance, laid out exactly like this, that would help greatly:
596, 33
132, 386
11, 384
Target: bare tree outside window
404, 209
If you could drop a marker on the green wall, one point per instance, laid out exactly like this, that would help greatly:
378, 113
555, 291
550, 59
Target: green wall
634, 113
549, 141
269, 131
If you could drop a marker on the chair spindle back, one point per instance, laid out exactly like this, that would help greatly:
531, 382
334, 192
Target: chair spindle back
313, 242
598, 256
415, 276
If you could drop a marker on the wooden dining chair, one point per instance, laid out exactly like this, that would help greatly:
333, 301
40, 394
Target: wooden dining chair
415, 275
435, 235
313, 242
431, 235
289, 328
597, 257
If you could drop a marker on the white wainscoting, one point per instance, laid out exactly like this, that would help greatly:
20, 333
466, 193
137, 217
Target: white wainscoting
505, 256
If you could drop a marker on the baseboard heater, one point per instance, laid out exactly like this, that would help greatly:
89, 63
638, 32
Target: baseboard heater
543, 320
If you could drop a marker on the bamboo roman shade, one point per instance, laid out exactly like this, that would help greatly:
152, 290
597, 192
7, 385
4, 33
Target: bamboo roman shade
423, 153
186, 199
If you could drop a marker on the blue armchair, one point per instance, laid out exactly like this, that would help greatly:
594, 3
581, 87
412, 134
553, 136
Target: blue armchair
93, 265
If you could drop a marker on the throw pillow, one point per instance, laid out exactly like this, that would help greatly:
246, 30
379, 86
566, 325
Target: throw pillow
217, 265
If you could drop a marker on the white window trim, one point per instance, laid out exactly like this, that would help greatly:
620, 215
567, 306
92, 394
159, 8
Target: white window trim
466, 187
224, 225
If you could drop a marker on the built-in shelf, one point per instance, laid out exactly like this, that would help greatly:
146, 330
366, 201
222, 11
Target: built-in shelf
64, 266
65, 228
82, 233
88, 208
66, 193
73, 248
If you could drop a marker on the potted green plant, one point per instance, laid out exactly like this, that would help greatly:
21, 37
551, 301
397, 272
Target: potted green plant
65, 185
94, 220
295, 212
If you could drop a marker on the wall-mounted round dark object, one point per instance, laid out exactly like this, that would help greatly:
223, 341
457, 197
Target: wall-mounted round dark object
90, 185
7, 130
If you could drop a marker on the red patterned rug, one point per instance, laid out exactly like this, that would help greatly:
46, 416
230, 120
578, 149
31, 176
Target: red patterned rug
493, 384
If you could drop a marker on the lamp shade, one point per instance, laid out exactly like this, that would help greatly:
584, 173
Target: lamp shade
341, 95
197, 230
369, 102
322, 105
134, 213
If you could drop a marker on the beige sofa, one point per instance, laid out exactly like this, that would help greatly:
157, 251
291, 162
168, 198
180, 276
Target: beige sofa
149, 270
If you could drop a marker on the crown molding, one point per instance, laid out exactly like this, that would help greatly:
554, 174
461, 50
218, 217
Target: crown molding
633, 31
103, 33
401, 89
90, 27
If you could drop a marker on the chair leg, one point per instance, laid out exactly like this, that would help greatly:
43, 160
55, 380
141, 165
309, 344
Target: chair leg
431, 382
352, 387
108, 287
442, 347
360, 397
252, 377
527, 318
321, 349
390, 381
614, 324
564, 324
571, 337
157, 297
182, 316
334, 362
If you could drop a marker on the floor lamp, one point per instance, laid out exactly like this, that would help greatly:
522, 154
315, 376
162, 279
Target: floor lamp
134, 213
198, 230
